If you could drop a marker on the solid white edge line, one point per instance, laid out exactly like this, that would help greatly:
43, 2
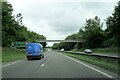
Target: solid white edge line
89, 67
10, 64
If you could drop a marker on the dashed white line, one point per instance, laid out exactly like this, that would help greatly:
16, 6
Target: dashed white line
10, 63
90, 67
42, 65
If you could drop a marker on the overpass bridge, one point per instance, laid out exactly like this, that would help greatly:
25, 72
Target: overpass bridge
61, 41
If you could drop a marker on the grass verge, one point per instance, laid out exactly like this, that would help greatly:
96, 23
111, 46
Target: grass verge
110, 50
9, 54
103, 63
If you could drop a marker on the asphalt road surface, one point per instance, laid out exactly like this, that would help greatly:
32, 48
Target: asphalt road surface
54, 65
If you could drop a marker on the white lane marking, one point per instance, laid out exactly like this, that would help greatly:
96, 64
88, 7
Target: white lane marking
10, 63
90, 67
42, 65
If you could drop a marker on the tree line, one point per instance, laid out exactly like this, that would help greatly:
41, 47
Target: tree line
13, 30
93, 34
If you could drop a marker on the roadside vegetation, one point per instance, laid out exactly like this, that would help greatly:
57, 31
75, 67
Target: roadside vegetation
94, 36
10, 54
110, 50
103, 63
0, 54
13, 30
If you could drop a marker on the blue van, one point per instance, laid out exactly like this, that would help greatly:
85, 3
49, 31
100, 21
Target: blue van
34, 50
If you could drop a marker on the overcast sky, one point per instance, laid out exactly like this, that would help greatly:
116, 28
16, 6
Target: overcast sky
56, 19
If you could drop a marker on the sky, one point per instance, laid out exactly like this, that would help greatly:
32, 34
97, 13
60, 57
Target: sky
56, 19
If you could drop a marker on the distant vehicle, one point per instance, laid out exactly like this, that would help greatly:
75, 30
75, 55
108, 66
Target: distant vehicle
88, 51
62, 49
48, 50
34, 50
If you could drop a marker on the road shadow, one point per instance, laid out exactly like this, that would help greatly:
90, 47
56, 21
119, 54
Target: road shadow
33, 59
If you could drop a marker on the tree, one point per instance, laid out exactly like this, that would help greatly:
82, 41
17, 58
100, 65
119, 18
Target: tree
13, 30
55, 46
8, 30
80, 37
93, 34
113, 24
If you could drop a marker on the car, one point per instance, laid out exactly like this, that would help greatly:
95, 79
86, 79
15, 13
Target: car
34, 50
62, 49
88, 51
48, 50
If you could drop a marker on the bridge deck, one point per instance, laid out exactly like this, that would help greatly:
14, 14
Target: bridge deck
61, 41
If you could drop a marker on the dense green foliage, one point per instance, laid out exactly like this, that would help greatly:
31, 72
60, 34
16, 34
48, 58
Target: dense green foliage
113, 28
13, 30
93, 34
10, 54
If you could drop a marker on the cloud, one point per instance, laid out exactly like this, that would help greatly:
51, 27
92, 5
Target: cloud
57, 19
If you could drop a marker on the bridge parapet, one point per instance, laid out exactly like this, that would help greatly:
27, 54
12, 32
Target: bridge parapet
61, 41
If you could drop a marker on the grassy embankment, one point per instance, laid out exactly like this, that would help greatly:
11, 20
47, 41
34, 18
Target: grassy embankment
110, 50
103, 63
9, 54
